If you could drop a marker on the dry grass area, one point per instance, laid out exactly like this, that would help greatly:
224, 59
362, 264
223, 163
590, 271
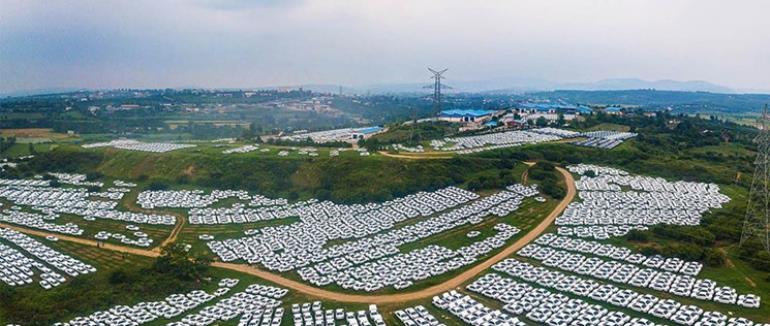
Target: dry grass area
101, 258
34, 133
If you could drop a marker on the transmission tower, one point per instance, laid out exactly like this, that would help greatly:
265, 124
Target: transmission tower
437, 86
757, 220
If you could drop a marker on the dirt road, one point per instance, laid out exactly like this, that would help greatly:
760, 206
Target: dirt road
345, 297
87, 242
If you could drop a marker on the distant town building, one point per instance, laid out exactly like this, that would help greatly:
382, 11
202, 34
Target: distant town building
550, 111
613, 110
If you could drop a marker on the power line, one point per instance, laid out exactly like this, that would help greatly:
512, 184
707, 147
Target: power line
757, 221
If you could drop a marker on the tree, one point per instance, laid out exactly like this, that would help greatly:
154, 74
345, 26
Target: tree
560, 119
176, 259
541, 122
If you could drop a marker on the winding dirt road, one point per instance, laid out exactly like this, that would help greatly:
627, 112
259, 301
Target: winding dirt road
346, 297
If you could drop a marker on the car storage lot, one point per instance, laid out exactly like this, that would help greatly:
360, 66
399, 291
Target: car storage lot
620, 300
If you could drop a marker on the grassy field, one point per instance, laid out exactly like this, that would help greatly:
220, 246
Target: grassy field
610, 126
22, 149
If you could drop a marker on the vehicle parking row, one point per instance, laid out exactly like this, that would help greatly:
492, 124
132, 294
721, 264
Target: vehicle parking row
24, 258
648, 275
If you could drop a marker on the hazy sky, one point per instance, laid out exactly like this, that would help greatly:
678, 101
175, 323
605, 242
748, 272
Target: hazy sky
238, 43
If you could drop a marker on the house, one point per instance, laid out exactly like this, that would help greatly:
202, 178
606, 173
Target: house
363, 133
550, 111
613, 110
467, 116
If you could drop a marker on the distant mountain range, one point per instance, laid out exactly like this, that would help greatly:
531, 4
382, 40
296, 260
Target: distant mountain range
41, 91
492, 86
524, 85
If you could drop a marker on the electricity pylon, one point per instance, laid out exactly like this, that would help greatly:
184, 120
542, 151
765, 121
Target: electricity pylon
437, 86
757, 221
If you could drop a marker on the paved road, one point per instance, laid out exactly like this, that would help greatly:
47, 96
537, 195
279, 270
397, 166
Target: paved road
357, 298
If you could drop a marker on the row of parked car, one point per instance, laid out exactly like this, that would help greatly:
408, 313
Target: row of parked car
671, 264
639, 276
257, 305
524, 298
302, 243
417, 316
24, 258
335, 264
473, 312
403, 269
491, 140
313, 314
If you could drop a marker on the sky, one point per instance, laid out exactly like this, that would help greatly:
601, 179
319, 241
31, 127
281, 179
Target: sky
260, 43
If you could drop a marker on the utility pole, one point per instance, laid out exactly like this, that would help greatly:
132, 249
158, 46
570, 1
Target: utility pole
757, 221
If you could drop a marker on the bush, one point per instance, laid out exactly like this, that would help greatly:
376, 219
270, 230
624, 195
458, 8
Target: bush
157, 185
91, 176
761, 261
649, 251
714, 258
119, 277
552, 189
686, 251
638, 236
692, 234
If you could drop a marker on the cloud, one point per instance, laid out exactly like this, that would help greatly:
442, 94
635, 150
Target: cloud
244, 4
238, 43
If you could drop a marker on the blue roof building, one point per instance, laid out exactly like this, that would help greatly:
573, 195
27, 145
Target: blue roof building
369, 130
582, 109
465, 113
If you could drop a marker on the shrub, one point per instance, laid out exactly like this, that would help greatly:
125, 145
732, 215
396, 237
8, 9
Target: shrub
157, 185
649, 251
761, 261
91, 176
687, 251
714, 258
638, 236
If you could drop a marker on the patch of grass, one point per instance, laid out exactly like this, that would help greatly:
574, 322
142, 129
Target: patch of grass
610, 126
